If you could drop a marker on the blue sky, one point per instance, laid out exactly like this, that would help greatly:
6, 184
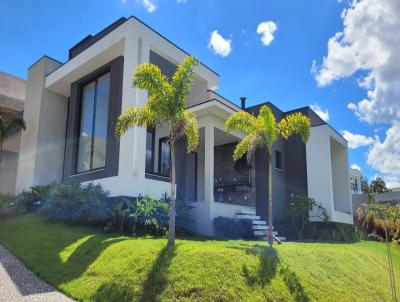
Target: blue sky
279, 72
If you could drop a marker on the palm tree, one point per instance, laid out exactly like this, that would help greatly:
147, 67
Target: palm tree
6, 126
166, 106
262, 132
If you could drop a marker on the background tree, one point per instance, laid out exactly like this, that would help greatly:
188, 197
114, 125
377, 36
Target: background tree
166, 106
378, 185
364, 184
262, 132
6, 126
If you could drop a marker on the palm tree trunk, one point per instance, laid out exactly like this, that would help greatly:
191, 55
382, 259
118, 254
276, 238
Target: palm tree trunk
1, 148
270, 235
171, 229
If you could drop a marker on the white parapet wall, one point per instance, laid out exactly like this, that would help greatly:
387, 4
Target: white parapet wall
327, 173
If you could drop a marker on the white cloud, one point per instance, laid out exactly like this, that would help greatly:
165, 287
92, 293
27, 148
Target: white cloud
384, 156
369, 45
266, 29
324, 114
357, 140
149, 5
219, 44
356, 167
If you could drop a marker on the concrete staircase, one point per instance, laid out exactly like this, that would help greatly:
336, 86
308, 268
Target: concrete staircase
259, 227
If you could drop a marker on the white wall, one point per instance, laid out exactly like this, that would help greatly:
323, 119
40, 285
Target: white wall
42, 144
327, 173
8, 171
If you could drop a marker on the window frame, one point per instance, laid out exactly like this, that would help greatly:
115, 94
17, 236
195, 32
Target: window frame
153, 149
81, 88
116, 69
160, 142
281, 168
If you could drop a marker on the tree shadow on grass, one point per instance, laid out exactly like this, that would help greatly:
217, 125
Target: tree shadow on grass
84, 255
267, 269
293, 284
158, 276
120, 289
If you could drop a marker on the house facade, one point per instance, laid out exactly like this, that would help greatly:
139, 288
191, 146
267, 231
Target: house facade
71, 111
12, 98
355, 181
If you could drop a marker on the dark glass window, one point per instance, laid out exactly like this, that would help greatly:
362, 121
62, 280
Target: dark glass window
278, 160
353, 185
150, 149
93, 125
164, 152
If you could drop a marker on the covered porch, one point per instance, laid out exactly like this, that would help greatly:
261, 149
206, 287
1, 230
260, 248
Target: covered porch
223, 187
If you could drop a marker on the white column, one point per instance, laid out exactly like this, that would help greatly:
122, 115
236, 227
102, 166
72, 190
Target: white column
139, 164
126, 150
209, 174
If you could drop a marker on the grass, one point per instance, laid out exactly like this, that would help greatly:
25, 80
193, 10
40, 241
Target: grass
92, 266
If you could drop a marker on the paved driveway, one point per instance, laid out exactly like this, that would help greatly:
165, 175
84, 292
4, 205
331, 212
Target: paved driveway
17, 283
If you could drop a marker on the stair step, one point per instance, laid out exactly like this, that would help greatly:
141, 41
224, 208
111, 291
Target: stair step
263, 233
259, 222
247, 212
260, 227
247, 216
280, 238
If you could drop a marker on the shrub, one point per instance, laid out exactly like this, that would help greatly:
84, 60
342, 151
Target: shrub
73, 202
324, 231
147, 215
301, 209
332, 232
31, 199
8, 204
232, 228
381, 221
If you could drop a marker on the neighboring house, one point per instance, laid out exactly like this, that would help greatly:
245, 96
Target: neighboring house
387, 197
12, 96
72, 109
355, 181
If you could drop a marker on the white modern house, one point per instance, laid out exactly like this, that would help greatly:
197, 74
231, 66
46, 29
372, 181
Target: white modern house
71, 109
355, 181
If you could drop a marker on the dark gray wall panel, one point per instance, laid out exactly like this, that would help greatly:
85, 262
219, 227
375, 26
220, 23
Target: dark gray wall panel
115, 68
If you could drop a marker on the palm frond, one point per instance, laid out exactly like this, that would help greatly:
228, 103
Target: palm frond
296, 123
15, 122
181, 82
135, 116
267, 120
247, 145
191, 131
242, 121
149, 76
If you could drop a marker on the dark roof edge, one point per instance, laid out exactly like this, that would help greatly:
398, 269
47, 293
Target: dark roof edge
223, 98
42, 57
210, 100
168, 40
135, 18
324, 122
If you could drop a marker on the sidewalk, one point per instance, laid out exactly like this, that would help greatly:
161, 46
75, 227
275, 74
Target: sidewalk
17, 283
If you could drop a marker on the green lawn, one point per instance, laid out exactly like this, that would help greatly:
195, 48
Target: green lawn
91, 266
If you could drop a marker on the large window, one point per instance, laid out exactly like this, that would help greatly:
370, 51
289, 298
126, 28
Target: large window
164, 157
150, 137
353, 185
278, 160
93, 125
